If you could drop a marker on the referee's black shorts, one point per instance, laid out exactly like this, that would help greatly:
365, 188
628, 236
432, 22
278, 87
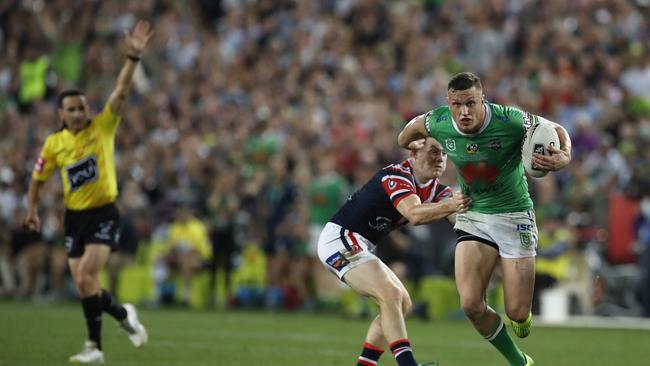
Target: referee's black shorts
98, 225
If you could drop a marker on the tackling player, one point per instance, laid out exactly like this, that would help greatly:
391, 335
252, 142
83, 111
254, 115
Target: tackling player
397, 194
483, 141
83, 152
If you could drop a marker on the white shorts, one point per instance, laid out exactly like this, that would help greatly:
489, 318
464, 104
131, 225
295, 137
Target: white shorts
514, 233
340, 249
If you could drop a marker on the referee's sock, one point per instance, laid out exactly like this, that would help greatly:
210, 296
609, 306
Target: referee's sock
111, 306
403, 353
370, 355
92, 307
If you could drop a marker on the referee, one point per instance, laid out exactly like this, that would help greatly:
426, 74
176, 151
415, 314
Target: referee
83, 151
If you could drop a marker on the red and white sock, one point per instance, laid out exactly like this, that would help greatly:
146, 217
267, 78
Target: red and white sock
369, 355
403, 353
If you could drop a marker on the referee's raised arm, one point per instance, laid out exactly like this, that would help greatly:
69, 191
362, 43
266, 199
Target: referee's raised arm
136, 43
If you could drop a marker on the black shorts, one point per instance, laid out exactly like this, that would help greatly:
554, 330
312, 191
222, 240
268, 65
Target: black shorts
98, 225
462, 236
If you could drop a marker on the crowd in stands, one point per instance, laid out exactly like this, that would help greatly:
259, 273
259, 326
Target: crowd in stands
251, 121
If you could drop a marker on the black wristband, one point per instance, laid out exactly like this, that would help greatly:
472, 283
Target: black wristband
133, 58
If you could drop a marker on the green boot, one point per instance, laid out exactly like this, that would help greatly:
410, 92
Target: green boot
522, 330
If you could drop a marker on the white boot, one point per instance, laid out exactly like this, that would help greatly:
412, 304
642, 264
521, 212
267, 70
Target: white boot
137, 333
90, 354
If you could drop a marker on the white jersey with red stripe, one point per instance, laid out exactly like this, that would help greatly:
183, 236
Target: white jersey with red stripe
371, 211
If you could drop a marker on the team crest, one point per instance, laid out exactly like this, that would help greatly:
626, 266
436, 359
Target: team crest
450, 144
472, 148
526, 239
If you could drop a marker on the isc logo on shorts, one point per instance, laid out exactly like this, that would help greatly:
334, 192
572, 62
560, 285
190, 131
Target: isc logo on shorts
337, 261
524, 227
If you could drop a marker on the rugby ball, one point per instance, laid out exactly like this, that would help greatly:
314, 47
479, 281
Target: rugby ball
538, 137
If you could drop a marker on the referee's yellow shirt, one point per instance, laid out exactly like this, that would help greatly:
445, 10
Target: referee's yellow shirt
85, 161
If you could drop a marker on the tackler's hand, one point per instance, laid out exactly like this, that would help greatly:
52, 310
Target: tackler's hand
417, 144
462, 202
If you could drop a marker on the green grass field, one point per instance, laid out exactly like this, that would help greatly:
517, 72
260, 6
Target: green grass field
48, 334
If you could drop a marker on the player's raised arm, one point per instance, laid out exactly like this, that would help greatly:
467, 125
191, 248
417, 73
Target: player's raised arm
412, 135
418, 213
560, 157
136, 43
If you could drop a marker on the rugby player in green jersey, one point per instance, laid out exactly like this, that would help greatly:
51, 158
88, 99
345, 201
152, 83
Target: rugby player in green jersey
483, 140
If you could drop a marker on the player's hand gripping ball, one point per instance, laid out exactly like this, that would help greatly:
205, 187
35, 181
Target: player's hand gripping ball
537, 140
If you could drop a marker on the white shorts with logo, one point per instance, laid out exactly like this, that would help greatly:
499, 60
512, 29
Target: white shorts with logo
514, 233
340, 249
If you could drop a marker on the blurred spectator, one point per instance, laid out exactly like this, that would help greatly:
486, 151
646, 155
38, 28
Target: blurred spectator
33, 77
326, 192
278, 200
187, 249
553, 260
7, 278
223, 206
57, 263
643, 241
250, 278
28, 251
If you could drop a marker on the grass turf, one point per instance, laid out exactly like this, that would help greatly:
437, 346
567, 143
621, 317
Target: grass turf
32, 334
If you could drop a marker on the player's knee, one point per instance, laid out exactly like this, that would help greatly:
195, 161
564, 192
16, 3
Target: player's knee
391, 295
407, 303
86, 283
473, 308
518, 313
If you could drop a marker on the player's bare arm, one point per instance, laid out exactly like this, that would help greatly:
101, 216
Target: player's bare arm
560, 157
32, 222
418, 213
413, 134
136, 42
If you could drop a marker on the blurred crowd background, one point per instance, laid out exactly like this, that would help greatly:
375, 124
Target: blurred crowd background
251, 121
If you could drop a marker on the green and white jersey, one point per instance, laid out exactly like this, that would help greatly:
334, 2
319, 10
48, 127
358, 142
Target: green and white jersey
488, 163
